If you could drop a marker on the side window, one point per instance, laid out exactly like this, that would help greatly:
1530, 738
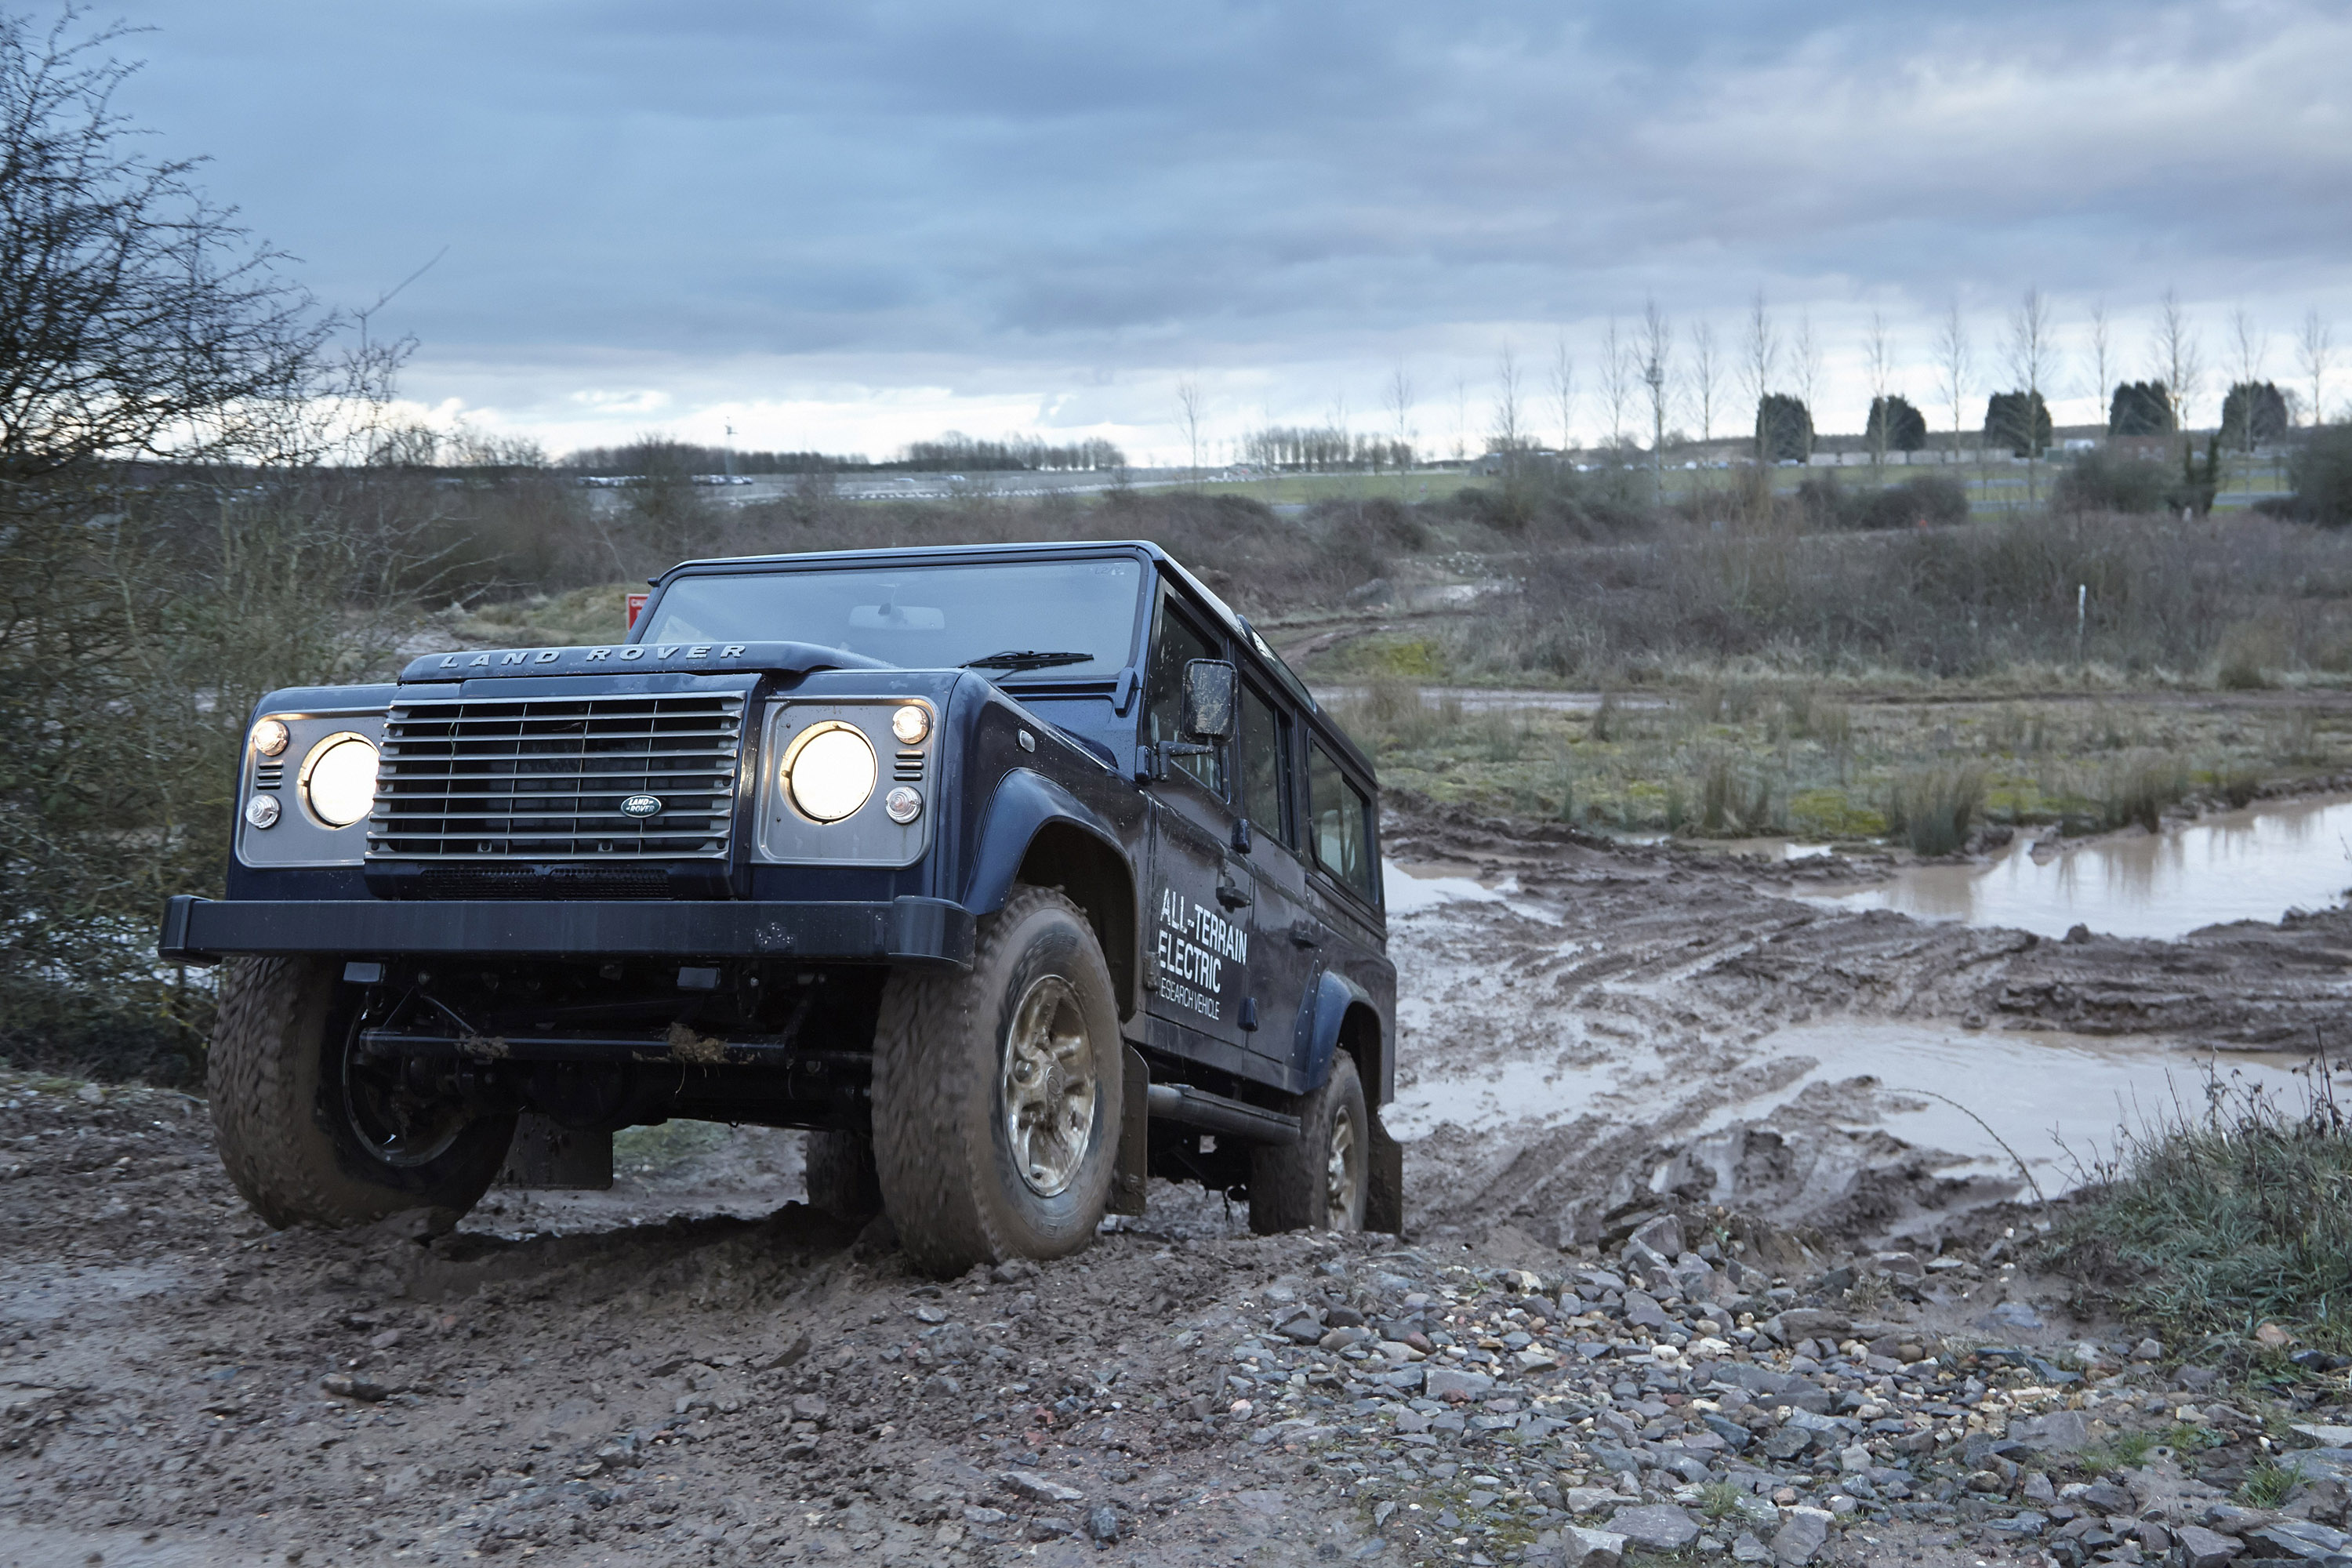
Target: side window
1176, 642
1343, 837
1265, 766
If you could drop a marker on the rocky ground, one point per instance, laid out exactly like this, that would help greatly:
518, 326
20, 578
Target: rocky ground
1712, 1308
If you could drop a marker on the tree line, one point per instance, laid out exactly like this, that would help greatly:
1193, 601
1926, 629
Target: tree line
659, 456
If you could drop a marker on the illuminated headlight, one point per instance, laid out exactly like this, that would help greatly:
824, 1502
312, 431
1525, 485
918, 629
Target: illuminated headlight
830, 771
910, 724
269, 737
902, 805
338, 779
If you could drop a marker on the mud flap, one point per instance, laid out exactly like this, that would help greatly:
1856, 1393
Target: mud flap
546, 1156
1384, 1199
1133, 1176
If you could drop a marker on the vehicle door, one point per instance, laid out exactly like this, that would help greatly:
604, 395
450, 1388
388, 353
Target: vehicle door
1285, 943
1196, 953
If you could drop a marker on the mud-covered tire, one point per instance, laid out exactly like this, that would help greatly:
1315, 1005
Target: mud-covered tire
951, 1182
839, 1172
275, 1079
1319, 1183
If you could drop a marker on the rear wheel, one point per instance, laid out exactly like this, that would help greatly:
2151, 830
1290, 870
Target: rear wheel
1318, 1183
998, 1093
313, 1130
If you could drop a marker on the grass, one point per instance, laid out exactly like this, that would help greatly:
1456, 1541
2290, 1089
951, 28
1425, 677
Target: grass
582, 616
1932, 808
1720, 1500
1738, 758
2215, 1221
649, 1151
2268, 1483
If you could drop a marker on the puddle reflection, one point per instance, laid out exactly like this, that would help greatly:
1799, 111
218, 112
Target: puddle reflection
2255, 864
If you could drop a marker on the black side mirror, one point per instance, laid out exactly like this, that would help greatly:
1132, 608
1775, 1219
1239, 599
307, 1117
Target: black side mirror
1209, 698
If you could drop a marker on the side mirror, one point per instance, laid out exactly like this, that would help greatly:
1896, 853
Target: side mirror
1209, 698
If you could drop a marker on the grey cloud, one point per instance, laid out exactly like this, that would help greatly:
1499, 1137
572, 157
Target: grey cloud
1067, 185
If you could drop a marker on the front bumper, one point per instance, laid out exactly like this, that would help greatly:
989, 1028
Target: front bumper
895, 931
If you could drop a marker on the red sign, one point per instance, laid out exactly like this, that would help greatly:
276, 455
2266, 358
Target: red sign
636, 605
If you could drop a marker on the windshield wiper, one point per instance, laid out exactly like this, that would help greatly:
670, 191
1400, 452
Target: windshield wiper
1026, 658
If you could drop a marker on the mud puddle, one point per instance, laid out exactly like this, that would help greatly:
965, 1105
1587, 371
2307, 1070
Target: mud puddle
1557, 1033
2051, 1100
2251, 865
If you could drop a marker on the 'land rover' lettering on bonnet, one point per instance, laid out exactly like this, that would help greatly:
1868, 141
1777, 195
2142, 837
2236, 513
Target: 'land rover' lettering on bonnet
593, 655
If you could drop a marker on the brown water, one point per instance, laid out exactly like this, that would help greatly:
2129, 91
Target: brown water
2251, 865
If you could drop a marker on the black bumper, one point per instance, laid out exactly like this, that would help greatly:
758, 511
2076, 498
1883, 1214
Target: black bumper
899, 931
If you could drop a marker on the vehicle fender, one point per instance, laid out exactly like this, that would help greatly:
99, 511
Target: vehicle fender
1025, 804
1319, 1017
1029, 804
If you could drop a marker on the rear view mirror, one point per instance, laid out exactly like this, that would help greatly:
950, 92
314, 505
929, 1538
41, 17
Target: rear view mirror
1209, 698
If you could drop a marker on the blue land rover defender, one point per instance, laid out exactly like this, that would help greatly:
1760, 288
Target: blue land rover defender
1016, 874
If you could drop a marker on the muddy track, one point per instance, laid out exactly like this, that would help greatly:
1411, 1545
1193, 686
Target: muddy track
697, 1368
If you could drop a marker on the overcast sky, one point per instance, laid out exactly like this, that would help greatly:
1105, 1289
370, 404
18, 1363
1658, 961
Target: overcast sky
845, 227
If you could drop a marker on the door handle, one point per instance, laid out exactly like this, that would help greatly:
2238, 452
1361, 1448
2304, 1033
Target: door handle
1233, 895
1303, 935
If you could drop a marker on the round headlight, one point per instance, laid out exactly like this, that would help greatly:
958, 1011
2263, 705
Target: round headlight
830, 771
910, 724
338, 779
269, 737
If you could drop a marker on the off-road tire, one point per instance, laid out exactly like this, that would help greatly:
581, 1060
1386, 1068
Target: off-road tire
275, 1079
1290, 1184
840, 1175
951, 1184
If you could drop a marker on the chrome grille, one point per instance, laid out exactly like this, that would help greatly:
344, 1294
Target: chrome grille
543, 778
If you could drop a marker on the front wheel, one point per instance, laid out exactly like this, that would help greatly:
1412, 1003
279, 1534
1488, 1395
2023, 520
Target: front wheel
1318, 1183
312, 1129
998, 1093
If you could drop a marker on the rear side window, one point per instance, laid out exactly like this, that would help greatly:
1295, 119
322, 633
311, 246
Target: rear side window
1343, 835
1265, 768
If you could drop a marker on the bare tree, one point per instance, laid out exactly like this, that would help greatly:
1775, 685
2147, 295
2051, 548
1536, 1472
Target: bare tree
1759, 354
1953, 365
2102, 354
1508, 433
2179, 361
1399, 410
2313, 350
1563, 392
1808, 351
1707, 376
2032, 357
1616, 380
1878, 358
2250, 345
1656, 350
1189, 409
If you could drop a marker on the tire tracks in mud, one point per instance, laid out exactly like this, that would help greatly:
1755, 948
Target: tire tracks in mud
1569, 1035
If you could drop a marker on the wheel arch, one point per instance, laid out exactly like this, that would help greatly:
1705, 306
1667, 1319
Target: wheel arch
1037, 832
1343, 1016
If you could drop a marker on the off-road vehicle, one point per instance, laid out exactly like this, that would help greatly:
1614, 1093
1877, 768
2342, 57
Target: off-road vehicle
1015, 874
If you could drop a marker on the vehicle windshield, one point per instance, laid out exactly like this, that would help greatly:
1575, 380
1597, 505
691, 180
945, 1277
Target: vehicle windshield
1061, 618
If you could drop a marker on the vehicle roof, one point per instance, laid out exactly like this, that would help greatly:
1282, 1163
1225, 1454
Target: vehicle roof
1235, 624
